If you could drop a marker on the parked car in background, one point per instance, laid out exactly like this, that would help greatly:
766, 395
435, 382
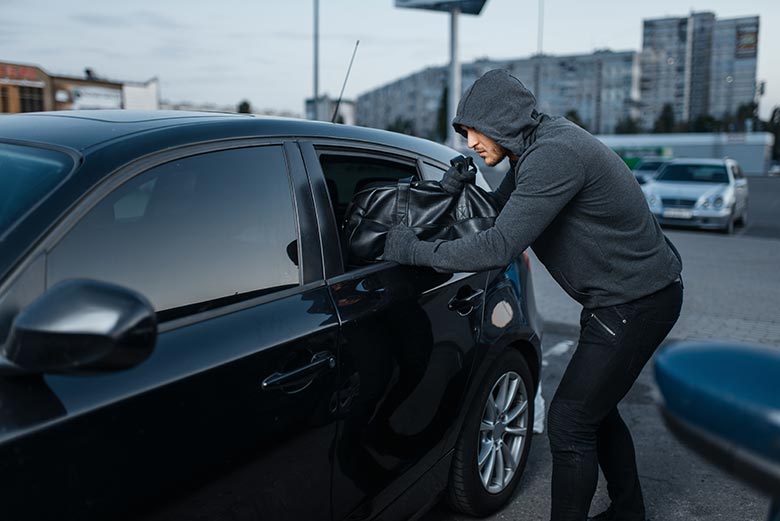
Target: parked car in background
706, 193
774, 169
180, 337
648, 168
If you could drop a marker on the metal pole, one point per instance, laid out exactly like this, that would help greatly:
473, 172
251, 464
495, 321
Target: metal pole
540, 34
454, 88
316, 59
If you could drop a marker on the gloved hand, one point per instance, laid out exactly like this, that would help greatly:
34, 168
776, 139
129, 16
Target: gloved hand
399, 244
461, 172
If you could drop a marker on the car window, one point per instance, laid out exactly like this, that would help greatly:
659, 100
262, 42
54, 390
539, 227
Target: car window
27, 175
694, 173
349, 174
191, 234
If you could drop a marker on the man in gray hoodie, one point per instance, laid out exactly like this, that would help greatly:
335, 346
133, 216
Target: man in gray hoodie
575, 202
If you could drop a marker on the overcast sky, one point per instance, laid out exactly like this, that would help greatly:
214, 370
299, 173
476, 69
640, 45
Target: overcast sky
262, 50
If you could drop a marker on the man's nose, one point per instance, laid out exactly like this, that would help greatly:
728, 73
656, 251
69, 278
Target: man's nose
471, 139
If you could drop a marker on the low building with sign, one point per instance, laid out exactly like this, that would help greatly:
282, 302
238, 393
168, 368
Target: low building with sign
27, 88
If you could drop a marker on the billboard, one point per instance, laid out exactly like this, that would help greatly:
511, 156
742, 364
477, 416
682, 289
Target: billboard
747, 41
465, 6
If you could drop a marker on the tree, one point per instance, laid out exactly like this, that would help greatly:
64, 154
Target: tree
773, 126
627, 126
402, 126
574, 117
665, 121
705, 123
745, 112
244, 107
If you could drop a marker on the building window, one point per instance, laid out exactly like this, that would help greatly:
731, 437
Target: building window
3, 97
31, 99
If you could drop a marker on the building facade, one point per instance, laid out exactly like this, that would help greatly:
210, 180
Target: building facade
27, 88
699, 65
24, 88
601, 87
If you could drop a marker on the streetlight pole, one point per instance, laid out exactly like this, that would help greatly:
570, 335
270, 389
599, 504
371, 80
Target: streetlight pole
454, 88
316, 59
540, 32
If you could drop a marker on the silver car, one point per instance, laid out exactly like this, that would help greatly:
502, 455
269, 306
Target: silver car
706, 193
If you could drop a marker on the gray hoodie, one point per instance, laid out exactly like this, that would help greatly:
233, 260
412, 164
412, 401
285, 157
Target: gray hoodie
568, 196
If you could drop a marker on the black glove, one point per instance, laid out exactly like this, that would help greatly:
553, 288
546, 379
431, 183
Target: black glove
461, 172
399, 244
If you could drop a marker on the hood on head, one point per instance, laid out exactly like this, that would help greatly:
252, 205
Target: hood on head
499, 106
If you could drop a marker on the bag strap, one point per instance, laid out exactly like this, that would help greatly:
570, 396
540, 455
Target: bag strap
402, 202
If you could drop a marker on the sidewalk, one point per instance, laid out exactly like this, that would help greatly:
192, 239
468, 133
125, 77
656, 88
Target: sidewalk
732, 290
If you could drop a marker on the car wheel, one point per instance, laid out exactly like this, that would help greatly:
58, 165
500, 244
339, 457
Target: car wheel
493, 446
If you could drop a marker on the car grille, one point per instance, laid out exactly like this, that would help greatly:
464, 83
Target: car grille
679, 203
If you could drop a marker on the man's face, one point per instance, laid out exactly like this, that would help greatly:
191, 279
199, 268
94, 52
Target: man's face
489, 150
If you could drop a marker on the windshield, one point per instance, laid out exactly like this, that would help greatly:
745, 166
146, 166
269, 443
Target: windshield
27, 174
694, 173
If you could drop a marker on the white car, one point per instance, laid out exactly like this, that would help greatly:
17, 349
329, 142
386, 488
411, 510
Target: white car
705, 193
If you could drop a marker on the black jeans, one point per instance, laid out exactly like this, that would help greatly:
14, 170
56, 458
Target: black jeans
585, 429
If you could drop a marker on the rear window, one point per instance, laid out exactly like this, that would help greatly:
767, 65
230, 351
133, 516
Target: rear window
27, 175
694, 173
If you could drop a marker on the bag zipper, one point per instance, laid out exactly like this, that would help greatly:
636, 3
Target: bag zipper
593, 315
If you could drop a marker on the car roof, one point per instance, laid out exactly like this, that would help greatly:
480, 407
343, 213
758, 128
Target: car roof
88, 130
702, 161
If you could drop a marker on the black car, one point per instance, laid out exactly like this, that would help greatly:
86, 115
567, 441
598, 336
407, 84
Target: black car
181, 339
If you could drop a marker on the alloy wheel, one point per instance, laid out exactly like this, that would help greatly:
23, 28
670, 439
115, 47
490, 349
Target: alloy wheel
503, 432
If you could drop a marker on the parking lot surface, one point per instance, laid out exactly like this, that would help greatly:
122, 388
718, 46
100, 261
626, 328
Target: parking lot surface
732, 292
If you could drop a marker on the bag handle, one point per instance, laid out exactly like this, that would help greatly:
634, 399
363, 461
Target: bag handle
402, 202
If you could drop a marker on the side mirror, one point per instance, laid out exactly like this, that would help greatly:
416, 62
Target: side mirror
82, 326
723, 401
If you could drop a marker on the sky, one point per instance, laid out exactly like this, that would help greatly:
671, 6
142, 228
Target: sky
262, 51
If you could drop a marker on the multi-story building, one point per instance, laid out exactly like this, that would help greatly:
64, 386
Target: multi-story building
601, 88
734, 62
697, 64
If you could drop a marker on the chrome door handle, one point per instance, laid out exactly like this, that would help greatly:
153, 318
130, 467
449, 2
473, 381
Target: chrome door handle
320, 362
465, 304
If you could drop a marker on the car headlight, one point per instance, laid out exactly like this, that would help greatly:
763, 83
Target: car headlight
705, 203
652, 200
718, 203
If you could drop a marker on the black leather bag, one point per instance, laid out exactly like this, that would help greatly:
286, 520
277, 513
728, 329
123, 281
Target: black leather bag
422, 205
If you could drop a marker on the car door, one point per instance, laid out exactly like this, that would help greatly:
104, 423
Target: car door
233, 416
405, 353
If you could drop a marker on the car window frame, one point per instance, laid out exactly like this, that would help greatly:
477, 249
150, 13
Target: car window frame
312, 148
309, 248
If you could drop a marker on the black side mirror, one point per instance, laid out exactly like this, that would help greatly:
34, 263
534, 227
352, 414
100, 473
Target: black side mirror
82, 326
723, 402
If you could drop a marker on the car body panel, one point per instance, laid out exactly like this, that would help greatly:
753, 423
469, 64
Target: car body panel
192, 430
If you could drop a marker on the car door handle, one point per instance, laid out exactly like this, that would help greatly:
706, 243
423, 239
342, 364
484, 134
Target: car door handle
464, 304
320, 362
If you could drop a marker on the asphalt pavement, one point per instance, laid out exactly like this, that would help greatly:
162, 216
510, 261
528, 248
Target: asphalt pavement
732, 293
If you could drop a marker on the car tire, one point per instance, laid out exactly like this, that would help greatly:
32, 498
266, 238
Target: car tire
480, 490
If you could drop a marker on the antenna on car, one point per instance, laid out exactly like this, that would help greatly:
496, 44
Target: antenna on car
335, 112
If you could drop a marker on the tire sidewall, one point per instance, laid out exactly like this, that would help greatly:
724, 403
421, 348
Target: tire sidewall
481, 502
